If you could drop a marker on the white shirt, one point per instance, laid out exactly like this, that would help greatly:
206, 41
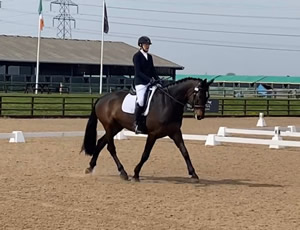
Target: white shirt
144, 53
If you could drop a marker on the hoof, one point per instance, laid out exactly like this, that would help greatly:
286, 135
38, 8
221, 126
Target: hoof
136, 179
124, 176
195, 179
88, 170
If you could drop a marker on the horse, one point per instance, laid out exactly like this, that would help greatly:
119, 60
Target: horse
164, 119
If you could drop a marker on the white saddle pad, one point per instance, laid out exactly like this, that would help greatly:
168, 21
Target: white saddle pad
128, 105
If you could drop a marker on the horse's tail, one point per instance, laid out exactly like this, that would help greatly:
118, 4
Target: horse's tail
90, 136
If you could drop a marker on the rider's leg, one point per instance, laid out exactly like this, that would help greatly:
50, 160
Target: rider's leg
140, 94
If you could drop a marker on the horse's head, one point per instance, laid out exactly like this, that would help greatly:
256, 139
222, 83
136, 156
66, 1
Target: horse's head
199, 98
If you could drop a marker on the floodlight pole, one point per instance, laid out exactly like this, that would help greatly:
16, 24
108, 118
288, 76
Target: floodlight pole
38, 60
102, 43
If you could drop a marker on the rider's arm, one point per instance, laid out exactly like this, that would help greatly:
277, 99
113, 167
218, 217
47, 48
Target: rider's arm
154, 74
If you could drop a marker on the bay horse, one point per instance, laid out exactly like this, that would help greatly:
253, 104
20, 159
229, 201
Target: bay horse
164, 119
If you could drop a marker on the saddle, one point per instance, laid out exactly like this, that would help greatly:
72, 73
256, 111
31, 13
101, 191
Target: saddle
147, 95
128, 105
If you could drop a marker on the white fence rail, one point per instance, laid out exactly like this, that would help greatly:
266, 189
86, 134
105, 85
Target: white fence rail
210, 139
223, 131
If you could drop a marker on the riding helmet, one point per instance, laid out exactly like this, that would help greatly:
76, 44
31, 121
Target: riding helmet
144, 40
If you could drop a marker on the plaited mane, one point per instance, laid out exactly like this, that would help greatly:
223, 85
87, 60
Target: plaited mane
183, 80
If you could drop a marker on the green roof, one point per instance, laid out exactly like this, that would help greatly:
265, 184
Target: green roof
283, 80
245, 78
239, 78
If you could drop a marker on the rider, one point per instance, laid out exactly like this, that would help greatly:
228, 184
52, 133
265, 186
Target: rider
144, 75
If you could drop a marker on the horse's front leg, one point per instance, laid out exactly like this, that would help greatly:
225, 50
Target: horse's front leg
178, 140
148, 147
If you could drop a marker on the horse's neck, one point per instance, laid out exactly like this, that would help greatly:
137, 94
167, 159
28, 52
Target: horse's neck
182, 91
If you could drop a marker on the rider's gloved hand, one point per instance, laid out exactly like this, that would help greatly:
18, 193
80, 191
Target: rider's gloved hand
159, 83
155, 82
152, 81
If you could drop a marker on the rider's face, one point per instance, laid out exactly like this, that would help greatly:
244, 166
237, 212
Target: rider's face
146, 47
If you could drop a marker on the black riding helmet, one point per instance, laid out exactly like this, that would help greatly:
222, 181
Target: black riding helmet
144, 40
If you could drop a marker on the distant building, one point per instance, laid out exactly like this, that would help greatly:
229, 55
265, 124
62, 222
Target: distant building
247, 81
74, 63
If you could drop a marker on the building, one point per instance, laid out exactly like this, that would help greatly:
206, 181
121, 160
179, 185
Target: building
245, 81
73, 63
241, 85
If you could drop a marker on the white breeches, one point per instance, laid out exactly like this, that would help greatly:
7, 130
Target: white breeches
140, 93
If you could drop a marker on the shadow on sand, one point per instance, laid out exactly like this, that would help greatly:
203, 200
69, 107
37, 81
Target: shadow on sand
204, 182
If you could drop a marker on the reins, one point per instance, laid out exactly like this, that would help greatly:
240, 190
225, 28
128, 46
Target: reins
170, 96
174, 99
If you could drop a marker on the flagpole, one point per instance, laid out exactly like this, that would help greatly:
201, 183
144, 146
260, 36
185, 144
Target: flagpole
38, 58
102, 41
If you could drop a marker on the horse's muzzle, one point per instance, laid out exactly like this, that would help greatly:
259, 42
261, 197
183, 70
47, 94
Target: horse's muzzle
199, 114
197, 117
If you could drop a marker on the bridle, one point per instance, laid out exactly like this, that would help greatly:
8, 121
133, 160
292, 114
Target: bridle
197, 89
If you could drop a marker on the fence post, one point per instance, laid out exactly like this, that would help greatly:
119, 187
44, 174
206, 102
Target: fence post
0, 106
268, 107
245, 107
289, 107
32, 106
63, 106
222, 111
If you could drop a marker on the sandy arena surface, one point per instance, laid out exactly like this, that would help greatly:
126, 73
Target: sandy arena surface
43, 185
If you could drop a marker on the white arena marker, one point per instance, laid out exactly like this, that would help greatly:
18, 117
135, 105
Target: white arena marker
120, 136
292, 128
18, 137
222, 132
211, 140
276, 137
261, 121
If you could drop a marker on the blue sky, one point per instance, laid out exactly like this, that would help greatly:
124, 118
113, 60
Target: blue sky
247, 37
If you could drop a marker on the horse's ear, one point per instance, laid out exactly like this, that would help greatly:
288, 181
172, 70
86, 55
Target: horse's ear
210, 82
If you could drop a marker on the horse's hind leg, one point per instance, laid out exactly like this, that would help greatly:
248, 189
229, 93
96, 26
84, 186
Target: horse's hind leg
100, 145
112, 149
177, 138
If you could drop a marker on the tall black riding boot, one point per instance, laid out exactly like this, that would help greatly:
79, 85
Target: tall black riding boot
138, 119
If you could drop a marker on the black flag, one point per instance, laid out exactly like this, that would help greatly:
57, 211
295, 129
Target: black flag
106, 26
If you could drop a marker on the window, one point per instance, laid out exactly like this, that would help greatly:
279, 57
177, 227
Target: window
228, 84
25, 70
277, 86
2, 69
14, 70
244, 85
